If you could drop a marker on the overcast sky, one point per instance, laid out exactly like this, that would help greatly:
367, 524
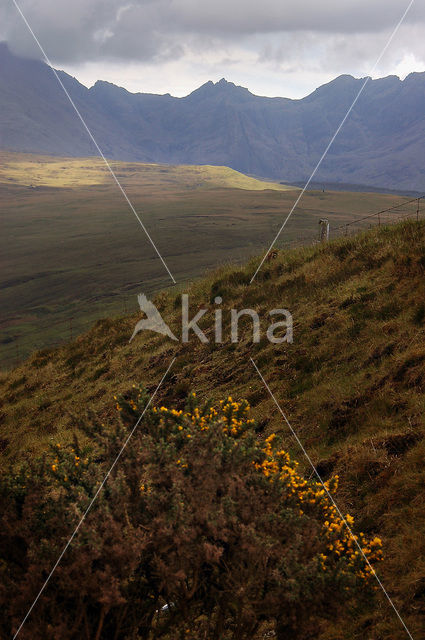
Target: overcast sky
273, 47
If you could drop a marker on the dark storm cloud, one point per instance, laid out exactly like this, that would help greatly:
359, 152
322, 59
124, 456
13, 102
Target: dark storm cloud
157, 30
83, 30
267, 16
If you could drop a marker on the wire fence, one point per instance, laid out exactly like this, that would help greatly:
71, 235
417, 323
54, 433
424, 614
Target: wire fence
413, 209
11, 354
410, 209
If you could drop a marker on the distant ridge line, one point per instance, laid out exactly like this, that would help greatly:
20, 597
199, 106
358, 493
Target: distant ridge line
223, 124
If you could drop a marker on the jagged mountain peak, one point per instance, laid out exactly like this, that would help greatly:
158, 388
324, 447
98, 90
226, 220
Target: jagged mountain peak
220, 88
381, 143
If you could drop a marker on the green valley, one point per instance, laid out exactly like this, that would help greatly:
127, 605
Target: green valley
73, 251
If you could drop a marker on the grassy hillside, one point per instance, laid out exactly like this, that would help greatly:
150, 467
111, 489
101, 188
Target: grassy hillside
72, 251
351, 384
49, 171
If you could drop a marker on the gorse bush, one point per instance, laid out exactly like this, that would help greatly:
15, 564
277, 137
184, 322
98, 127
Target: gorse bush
202, 531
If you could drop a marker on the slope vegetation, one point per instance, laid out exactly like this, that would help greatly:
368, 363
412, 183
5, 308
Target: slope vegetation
351, 385
48, 171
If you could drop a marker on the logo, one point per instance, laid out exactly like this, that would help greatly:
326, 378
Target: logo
153, 321
277, 332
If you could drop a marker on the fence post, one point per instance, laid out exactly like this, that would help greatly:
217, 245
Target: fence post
324, 230
417, 210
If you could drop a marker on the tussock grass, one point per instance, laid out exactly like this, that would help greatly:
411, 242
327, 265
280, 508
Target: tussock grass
352, 385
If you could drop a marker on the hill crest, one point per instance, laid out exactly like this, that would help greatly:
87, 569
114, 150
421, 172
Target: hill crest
351, 384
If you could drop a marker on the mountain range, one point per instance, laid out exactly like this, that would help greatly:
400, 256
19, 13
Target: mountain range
380, 145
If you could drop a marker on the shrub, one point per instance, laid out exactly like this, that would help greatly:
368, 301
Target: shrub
201, 531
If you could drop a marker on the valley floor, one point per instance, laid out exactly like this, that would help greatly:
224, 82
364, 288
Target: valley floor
73, 252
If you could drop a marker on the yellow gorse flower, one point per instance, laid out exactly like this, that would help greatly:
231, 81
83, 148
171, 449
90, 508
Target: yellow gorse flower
275, 464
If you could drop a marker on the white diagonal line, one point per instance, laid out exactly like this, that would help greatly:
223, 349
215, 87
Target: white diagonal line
47, 60
344, 120
332, 500
93, 499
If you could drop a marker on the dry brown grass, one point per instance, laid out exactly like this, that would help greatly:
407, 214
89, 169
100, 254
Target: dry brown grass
352, 385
